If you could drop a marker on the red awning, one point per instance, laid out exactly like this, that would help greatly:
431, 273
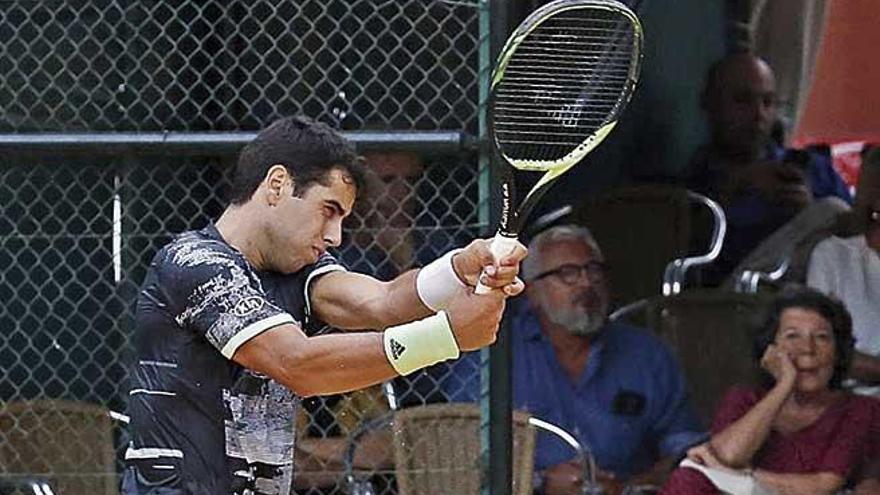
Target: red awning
844, 99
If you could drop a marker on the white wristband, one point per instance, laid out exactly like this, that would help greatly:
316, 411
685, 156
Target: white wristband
436, 282
415, 345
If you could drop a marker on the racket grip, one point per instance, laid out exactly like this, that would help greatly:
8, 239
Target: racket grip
501, 245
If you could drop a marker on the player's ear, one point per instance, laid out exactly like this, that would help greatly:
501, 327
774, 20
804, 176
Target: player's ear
276, 178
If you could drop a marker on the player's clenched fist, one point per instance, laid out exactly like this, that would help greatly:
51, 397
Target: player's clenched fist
474, 318
500, 273
463, 320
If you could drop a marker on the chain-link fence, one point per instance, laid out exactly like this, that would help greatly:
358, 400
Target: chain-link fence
77, 230
175, 65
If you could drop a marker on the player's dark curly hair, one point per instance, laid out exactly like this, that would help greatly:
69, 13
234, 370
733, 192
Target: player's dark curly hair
832, 310
307, 148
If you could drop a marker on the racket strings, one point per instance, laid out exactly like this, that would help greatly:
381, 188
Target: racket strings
564, 82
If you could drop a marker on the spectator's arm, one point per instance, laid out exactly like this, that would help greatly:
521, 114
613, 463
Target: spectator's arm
824, 483
865, 368
736, 444
320, 461
868, 487
826, 181
869, 483
373, 451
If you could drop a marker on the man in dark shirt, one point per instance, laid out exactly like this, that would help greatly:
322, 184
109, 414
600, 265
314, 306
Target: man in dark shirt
760, 185
227, 318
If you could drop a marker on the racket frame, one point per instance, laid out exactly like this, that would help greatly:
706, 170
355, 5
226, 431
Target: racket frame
511, 219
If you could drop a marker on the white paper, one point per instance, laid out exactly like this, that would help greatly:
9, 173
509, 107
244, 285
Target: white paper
729, 481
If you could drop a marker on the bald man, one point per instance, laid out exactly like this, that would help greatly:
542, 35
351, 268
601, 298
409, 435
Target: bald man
760, 184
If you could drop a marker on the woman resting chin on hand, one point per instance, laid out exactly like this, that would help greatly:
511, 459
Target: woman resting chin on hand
799, 433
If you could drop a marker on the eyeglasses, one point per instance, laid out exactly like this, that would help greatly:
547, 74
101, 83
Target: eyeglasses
570, 273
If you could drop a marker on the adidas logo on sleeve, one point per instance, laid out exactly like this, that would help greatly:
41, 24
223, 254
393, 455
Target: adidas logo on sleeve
397, 349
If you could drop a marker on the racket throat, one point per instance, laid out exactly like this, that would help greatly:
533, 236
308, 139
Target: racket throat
508, 224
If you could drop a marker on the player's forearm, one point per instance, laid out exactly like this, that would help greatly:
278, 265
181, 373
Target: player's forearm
865, 368
352, 301
337, 363
332, 364
737, 444
355, 301
824, 483
319, 462
321, 365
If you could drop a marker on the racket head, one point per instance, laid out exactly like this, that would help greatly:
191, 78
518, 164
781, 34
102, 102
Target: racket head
561, 82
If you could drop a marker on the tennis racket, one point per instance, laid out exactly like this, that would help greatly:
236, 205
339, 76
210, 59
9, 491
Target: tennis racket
558, 88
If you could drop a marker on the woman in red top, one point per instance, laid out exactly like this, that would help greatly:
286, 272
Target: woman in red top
799, 434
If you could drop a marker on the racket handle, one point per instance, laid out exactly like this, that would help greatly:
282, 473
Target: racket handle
501, 246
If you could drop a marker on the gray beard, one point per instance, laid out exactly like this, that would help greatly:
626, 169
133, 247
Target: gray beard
578, 322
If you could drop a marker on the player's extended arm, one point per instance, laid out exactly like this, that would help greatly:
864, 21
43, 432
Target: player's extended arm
336, 363
325, 364
355, 301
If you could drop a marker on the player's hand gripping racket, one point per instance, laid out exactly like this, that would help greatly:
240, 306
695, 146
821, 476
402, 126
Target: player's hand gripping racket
560, 83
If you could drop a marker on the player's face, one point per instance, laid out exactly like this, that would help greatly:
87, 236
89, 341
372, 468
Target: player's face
307, 225
744, 106
574, 294
808, 339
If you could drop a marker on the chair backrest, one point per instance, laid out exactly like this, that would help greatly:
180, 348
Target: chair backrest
68, 443
437, 446
640, 229
710, 331
793, 243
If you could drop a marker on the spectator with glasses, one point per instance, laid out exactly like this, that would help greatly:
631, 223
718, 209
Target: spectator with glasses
615, 387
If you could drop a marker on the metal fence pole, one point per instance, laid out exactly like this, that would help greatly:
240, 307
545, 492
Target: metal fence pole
499, 479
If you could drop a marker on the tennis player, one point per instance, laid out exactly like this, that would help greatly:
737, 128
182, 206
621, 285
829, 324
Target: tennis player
230, 318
